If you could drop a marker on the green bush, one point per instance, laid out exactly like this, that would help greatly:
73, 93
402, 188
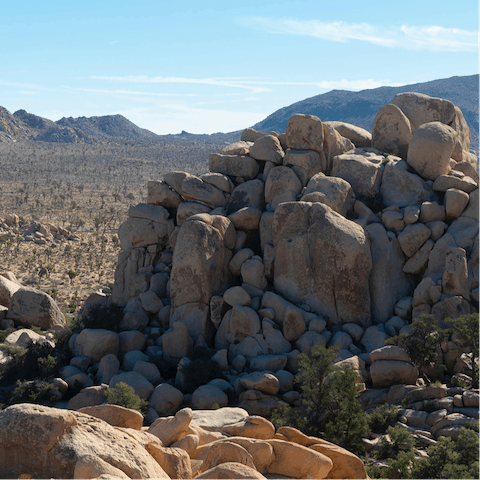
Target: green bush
36, 391
422, 342
36, 361
124, 395
5, 333
465, 332
397, 440
383, 417
448, 458
329, 405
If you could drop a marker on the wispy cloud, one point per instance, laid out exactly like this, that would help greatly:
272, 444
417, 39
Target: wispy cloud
222, 82
435, 38
254, 85
129, 92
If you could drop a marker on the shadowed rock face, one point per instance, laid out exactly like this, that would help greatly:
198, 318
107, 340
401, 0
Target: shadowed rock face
200, 262
322, 260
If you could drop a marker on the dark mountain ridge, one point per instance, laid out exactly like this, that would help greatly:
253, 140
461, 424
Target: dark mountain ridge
360, 108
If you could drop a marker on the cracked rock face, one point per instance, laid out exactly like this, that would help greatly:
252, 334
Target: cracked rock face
322, 260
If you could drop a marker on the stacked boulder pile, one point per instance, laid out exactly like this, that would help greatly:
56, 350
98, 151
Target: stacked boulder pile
12, 228
108, 441
312, 237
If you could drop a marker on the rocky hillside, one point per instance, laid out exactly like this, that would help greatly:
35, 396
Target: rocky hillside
108, 126
360, 108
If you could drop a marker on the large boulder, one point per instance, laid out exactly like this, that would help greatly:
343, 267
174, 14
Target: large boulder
147, 224
200, 259
420, 109
360, 137
388, 282
401, 187
49, 443
304, 132
391, 131
322, 260
430, 150
333, 191
362, 169
32, 307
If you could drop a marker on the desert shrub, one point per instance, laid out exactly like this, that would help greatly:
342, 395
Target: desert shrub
448, 458
36, 361
125, 396
422, 342
35, 391
383, 417
397, 440
465, 331
5, 333
329, 404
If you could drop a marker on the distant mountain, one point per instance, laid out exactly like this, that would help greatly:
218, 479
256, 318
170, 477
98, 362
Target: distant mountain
360, 108
108, 126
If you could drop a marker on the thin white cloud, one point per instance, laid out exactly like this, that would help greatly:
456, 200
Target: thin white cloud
222, 82
435, 38
255, 86
130, 92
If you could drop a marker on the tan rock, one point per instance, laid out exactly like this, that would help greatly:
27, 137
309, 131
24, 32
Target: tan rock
360, 137
362, 169
250, 135
252, 427
455, 275
246, 218
413, 237
159, 193
175, 180
231, 470
196, 190
455, 202
333, 191
172, 429
234, 165
225, 452
91, 466
267, 148
237, 148
305, 132
430, 150
32, 307
401, 188
215, 420
115, 415
48, 443
385, 373
421, 109
432, 212
297, 461
311, 161
307, 236
7, 289
279, 180
262, 381
200, 260
345, 463
334, 144
389, 352
96, 343
166, 399
391, 131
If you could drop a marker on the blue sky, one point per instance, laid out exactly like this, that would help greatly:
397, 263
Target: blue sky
219, 66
